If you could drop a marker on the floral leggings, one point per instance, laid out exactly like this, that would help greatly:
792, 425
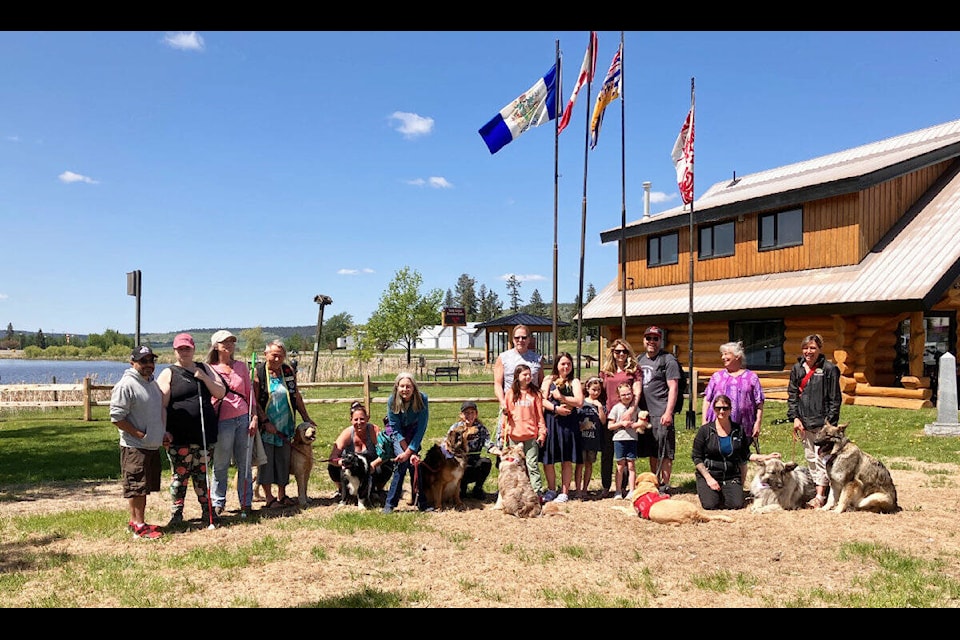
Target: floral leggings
187, 462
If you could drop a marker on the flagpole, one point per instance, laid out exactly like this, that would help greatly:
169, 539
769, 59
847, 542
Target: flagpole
583, 216
623, 201
556, 178
692, 411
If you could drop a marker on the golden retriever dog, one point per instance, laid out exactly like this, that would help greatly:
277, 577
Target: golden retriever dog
858, 481
442, 468
516, 496
648, 503
301, 463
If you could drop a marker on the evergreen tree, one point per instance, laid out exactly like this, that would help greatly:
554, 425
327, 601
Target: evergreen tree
9, 331
41, 339
465, 293
490, 306
513, 291
537, 306
448, 299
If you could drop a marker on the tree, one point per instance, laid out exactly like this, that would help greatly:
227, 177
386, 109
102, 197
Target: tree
254, 339
537, 306
42, 340
513, 290
490, 306
448, 299
403, 311
297, 342
337, 326
467, 297
593, 331
10, 331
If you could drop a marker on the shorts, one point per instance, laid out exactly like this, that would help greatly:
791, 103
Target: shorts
140, 471
664, 441
624, 450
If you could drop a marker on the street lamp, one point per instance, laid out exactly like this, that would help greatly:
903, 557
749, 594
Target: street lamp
323, 301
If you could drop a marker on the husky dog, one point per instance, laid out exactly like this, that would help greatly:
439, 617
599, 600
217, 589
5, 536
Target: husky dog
781, 485
356, 478
858, 481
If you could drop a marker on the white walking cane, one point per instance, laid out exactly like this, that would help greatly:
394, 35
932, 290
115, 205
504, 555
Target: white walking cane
206, 454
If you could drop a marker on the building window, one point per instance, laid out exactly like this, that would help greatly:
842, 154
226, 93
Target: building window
716, 240
762, 343
781, 229
663, 250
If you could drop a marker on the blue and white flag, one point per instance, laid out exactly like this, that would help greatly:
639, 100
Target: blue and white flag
534, 107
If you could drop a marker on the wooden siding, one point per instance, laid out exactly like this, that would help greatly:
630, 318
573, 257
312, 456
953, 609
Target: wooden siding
838, 231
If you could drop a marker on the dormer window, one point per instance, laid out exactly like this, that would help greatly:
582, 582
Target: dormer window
781, 229
663, 250
716, 240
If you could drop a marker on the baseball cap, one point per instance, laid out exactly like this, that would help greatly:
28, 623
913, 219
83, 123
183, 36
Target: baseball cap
141, 352
469, 404
653, 331
221, 336
183, 340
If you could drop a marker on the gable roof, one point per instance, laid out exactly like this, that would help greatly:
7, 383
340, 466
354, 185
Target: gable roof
827, 176
522, 318
911, 267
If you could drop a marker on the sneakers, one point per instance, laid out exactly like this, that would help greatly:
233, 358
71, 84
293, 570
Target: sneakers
176, 519
561, 498
387, 510
549, 496
478, 494
618, 496
145, 531
219, 510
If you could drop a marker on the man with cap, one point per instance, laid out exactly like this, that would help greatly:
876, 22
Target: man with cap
478, 466
136, 409
661, 375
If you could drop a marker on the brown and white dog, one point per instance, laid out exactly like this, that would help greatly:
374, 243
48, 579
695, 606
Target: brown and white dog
516, 496
441, 474
858, 481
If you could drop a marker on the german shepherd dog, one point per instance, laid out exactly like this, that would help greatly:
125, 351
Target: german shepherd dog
442, 468
781, 485
356, 477
858, 481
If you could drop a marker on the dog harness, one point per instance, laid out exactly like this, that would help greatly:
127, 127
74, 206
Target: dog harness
644, 502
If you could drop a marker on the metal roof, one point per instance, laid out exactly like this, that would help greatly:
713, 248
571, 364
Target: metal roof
834, 174
522, 318
910, 268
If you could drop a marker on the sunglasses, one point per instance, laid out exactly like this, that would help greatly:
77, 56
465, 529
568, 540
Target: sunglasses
721, 408
652, 338
620, 351
521, 337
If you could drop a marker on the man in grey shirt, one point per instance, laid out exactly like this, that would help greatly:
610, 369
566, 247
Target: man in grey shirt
136, 409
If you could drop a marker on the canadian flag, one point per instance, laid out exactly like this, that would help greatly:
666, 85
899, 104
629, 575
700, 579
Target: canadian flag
683, 158
587, 69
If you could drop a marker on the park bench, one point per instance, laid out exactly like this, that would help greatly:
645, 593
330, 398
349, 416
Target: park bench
446, 372
478, 360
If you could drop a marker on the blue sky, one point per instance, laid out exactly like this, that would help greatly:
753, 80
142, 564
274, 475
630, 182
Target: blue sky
246, 172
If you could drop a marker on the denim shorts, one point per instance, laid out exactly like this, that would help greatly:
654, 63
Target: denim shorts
624, 449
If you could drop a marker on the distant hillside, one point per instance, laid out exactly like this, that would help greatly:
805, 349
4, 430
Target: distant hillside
202, 336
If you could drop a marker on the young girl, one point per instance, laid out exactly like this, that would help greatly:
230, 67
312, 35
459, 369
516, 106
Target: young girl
624, 439
593, 419
524, 421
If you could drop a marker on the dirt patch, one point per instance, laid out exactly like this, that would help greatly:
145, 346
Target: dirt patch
592, 554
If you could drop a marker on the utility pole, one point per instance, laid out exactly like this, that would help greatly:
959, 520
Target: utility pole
323, 301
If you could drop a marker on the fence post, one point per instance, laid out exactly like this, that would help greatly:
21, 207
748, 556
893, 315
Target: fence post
87, 400
366, 394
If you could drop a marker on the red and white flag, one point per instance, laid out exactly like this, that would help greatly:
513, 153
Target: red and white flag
683, 158
587, 69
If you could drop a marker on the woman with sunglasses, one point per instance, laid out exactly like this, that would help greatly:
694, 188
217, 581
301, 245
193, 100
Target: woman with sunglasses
523, 352
619, 366
721, 451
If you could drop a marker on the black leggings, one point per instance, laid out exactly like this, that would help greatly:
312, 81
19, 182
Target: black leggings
730, 495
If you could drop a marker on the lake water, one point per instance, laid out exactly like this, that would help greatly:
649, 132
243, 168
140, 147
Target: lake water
16, 371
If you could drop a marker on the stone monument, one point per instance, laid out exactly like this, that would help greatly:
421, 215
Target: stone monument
946, 424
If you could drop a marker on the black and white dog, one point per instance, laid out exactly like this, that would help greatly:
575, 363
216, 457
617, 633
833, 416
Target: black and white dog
356, 479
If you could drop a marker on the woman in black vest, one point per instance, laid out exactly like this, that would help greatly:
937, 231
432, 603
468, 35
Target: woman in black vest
188, 386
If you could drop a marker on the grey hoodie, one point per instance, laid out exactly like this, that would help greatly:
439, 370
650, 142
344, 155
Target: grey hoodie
140, 402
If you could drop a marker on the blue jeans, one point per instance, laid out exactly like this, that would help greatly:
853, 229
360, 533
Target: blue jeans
233, 441
400, 470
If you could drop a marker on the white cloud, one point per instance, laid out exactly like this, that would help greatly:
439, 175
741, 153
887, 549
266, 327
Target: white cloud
70, 176
184, 40
13, 138
656, 197
433, 181
354, 272
523, 278
411, 125
3, 296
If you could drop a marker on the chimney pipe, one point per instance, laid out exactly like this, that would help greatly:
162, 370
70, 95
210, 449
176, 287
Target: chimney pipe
646, 199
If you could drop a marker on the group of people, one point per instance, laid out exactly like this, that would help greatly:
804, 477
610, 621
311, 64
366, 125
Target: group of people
219, 411
202, 412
